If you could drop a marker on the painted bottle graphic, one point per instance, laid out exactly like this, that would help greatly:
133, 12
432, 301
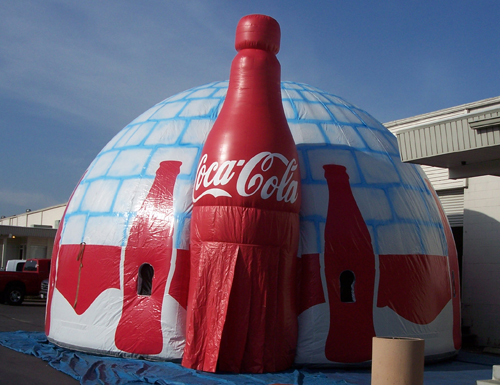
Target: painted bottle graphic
242, 311
147, 265
349, 271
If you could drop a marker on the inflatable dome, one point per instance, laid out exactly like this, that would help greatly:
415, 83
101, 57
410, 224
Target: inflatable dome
376, 256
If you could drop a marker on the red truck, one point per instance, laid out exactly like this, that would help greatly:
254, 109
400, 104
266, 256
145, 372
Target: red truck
14, 285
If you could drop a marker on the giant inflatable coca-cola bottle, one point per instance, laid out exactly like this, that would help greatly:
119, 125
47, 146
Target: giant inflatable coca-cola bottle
349, 271
241, 314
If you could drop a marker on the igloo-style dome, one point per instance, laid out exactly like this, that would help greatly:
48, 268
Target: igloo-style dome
120, 271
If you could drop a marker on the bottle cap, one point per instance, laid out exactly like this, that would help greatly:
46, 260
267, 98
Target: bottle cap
258, 32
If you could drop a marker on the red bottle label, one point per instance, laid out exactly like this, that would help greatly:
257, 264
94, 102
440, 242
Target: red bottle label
415, 286
85, 271
266, 176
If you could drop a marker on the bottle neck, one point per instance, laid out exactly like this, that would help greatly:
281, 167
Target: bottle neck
162, 189
337, 178
255, 79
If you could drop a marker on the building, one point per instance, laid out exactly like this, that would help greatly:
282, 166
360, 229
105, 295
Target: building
30, 234
459, 149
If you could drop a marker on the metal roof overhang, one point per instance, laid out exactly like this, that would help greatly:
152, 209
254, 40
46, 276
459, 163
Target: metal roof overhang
18, 231
464, 139
465, 164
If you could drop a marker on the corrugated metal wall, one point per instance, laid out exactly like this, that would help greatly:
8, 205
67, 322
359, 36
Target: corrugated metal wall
453, 205
448, 136
439, 178
450, 192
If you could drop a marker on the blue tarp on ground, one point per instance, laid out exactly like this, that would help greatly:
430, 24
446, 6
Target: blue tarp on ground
94, 369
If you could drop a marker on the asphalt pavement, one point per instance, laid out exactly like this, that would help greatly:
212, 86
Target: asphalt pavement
18, 368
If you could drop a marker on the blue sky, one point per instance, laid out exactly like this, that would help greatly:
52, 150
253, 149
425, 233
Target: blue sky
74, 73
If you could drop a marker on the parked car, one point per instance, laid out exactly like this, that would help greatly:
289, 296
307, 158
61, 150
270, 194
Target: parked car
15, 285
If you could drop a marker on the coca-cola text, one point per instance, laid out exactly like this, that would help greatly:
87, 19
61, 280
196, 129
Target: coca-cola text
251, 178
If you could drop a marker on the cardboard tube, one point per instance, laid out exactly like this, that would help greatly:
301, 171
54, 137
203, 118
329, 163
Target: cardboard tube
397, 361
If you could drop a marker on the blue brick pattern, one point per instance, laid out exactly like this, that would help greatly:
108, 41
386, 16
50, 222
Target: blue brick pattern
394, 201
